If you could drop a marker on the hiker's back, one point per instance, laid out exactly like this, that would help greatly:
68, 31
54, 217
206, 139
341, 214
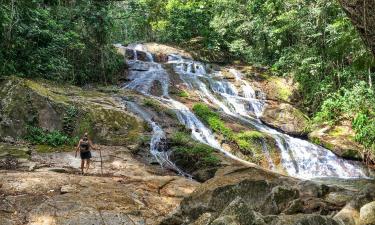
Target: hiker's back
84, 146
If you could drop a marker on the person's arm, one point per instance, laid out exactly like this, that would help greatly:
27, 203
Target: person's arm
91, 145
77, 148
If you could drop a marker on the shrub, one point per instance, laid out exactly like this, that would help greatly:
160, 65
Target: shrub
251, 135
201, 154
183, 94
213, 120
152, 104
191, 155
37, 135
180, 138
69, 119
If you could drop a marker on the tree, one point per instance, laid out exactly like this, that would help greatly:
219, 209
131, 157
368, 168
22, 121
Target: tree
362, 14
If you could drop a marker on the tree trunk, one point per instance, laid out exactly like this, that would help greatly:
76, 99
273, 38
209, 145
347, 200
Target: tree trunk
362, 14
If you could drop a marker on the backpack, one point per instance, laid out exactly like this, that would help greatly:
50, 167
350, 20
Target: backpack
84, 146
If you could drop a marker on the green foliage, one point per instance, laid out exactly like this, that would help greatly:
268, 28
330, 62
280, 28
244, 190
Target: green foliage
251, 135
180, 138
38, 136
152, 103
183, 94
213, 120
190, 154
200, 153
364, 126
61, 41
346, 103
248, 142
69, 119
356, 104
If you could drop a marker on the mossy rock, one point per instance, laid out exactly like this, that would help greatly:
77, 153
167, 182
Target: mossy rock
282, 89
16, 151
285, 117
109, 126
44, 104
339, 139
23, 103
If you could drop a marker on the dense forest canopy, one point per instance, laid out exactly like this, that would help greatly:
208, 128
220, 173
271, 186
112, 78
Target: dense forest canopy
311, 41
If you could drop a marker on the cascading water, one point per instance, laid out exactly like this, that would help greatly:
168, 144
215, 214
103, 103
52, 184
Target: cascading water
299, 157
142, 81
158, 139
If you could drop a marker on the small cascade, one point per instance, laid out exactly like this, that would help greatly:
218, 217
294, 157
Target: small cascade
250, 94
299, 158
143, 76
158, 140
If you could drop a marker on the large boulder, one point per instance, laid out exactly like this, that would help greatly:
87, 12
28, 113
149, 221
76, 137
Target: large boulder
285, 117
250, 195
68, 109
367, 214
360, 210
339, 139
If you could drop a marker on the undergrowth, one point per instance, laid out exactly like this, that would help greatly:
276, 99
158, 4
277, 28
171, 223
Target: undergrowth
357, 105
37, 135
190, 154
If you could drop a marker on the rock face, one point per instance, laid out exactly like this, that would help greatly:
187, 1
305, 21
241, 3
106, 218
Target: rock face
361, 12
40, 104
285, 117
339, 139
253, 196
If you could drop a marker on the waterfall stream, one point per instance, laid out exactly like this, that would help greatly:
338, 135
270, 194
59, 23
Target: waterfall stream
299, 158
158, 139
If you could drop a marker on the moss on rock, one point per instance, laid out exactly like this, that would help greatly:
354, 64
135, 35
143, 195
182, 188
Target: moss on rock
16, 151
339, 139
45, 105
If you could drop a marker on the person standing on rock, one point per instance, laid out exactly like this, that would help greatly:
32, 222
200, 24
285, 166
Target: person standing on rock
84, 147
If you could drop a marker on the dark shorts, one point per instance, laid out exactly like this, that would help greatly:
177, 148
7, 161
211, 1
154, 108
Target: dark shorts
85, 155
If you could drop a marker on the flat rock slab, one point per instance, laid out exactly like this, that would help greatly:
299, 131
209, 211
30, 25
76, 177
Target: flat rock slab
129, 192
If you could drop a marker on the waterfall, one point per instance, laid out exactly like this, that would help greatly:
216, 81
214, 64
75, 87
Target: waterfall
299, 158
158, 139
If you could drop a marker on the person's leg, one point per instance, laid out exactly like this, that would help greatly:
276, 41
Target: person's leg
82, 164
87, 165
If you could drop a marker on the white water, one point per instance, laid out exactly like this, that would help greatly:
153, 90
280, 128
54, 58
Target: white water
300, 158
158, 140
